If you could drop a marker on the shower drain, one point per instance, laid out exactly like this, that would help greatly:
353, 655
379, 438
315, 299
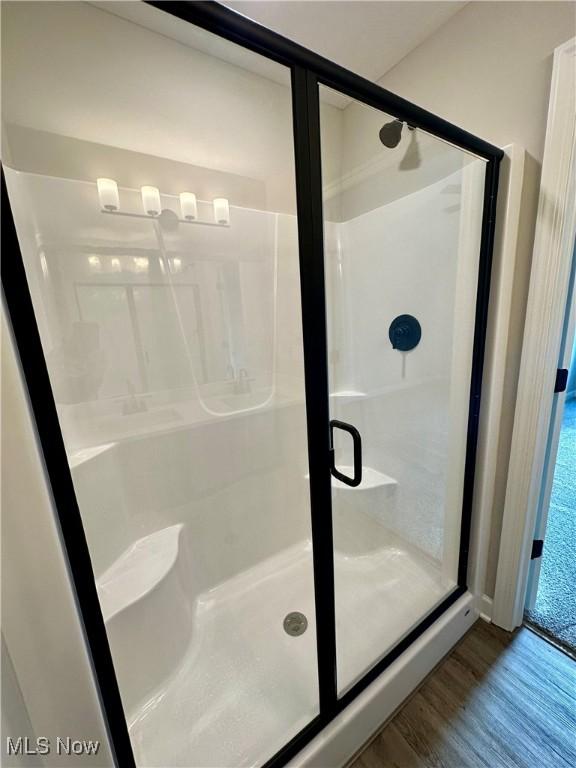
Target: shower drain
295, 624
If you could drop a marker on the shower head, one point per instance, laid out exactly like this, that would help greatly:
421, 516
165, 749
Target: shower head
390, 133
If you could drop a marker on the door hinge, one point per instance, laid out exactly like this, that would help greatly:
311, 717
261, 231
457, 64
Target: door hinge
537, 547
561, 380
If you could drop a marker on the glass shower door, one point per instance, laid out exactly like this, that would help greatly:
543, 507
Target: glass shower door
402, 224
151, 180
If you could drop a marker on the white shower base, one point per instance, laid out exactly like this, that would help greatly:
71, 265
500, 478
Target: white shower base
244, 687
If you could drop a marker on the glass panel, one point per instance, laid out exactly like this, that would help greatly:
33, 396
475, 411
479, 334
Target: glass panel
174, 348
402, 235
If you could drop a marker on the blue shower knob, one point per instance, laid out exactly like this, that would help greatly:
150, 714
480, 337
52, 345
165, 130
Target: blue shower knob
404, 333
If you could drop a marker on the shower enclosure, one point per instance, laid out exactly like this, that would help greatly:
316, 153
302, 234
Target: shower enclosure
253, 333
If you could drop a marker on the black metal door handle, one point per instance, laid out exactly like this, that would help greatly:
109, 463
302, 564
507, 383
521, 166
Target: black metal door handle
357, 442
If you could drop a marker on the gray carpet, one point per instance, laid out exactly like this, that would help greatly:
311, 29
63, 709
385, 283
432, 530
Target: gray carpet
555, 610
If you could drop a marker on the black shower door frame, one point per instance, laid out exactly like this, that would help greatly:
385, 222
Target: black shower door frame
308, 72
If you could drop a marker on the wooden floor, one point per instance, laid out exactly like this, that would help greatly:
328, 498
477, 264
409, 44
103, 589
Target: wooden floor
498, 701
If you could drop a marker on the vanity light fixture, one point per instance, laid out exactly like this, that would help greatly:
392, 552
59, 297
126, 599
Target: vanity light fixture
221, 210
110, 203
151, 200
108, 194
188, 206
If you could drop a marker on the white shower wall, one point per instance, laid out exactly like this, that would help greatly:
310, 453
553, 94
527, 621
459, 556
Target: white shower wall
227, 472
403, 410
163, 466
191, 455
196, 505
402, 258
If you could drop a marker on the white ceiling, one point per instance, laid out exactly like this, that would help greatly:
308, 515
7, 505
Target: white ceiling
368, 38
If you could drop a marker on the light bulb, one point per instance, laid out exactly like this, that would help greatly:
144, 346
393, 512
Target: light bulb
115, 264
151, 200
94, 263
176, 264
140, 264
188, 206
221, 210
108, 194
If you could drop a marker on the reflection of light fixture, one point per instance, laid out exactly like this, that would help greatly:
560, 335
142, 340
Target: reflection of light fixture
115, 264
176, 264
44, 265
188, 206
221, 210
94, 263
151, 200
108, 194
140, 263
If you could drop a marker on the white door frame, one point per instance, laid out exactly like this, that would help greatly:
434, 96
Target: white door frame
504, 264
545, 317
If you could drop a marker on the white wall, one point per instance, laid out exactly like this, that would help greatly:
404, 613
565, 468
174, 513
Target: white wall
15, 720
119, 100
488, 70
40, 625
115, 83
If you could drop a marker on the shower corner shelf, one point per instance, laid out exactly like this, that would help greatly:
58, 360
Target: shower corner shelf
372, 479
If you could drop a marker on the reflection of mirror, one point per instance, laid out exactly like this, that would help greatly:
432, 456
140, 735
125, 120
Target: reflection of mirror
145, 338
150, 335
159, 336
78, 364
180, 314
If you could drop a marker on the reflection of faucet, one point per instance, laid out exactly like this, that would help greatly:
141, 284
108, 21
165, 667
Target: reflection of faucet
242, 382
133, 404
